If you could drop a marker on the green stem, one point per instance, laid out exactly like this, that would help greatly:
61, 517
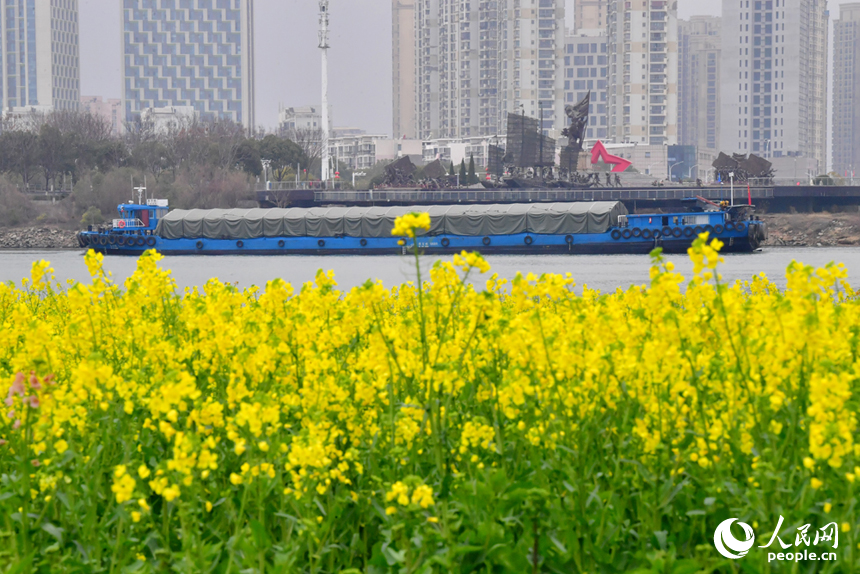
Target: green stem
113, 559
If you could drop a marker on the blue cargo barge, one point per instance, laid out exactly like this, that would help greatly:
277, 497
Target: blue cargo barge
574, 228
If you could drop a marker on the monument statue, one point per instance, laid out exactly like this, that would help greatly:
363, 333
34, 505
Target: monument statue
578, 114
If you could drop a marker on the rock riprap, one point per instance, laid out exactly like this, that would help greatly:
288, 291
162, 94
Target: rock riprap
38, 238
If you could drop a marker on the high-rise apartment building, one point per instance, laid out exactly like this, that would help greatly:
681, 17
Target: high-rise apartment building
477, 61
643, 71
468, 41
403, 68
774, 78
846, 90
39, 54
590, 15
699, 49
531, 64
427, 64
585, 70
197, 53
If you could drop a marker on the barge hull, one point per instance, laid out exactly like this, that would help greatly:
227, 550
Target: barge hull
522, 244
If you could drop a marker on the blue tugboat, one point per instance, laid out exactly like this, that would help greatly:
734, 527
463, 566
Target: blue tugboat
534, 228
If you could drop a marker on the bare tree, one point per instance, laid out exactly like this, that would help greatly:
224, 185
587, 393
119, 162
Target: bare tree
19, 154
139, 130
310, 140
84, 125
206, 141
225, 136
153, 157
30, 121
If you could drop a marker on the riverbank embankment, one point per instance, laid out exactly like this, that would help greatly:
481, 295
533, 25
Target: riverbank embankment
813, 229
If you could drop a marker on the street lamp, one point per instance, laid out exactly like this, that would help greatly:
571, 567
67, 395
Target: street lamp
266, 163
766, 148
522, 141
358, 174
690, 171
732, 182
671, 167
540, 133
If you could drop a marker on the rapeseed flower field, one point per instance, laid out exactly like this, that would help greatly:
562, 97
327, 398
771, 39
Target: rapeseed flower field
428, 428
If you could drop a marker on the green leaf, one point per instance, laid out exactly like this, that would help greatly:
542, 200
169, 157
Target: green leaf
393, 557
53, 531
561, 547
261, 537
21, 567
686, 567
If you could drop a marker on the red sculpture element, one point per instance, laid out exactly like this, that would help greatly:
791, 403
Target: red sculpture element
599, 152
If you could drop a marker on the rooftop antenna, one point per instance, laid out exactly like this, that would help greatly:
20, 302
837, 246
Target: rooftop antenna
324, 46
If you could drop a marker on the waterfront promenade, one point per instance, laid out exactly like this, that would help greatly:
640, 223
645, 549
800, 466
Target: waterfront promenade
769, 197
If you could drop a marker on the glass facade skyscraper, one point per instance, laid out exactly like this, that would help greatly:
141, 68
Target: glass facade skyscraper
196, 53
40, 63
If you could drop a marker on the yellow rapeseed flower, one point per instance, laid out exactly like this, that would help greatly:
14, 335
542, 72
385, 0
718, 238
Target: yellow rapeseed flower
408, 225
346, 397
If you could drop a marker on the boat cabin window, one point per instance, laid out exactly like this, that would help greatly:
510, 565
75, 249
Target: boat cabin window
696, 220
665, 220
675, 220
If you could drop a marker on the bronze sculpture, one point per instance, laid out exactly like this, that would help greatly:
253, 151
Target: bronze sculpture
578, 114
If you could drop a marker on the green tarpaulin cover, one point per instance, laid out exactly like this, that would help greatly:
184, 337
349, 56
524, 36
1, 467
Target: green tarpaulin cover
472, 220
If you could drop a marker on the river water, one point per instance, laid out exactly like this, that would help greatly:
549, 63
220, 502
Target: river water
603, 272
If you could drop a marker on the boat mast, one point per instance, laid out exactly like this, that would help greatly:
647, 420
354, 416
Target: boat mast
325, 119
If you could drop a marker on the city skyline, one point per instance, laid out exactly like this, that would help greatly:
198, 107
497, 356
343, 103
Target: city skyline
365, 102
355, 96
360, 83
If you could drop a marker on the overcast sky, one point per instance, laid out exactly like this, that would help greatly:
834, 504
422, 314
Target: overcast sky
287, 58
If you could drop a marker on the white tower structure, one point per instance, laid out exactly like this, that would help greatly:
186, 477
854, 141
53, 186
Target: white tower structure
325, 116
